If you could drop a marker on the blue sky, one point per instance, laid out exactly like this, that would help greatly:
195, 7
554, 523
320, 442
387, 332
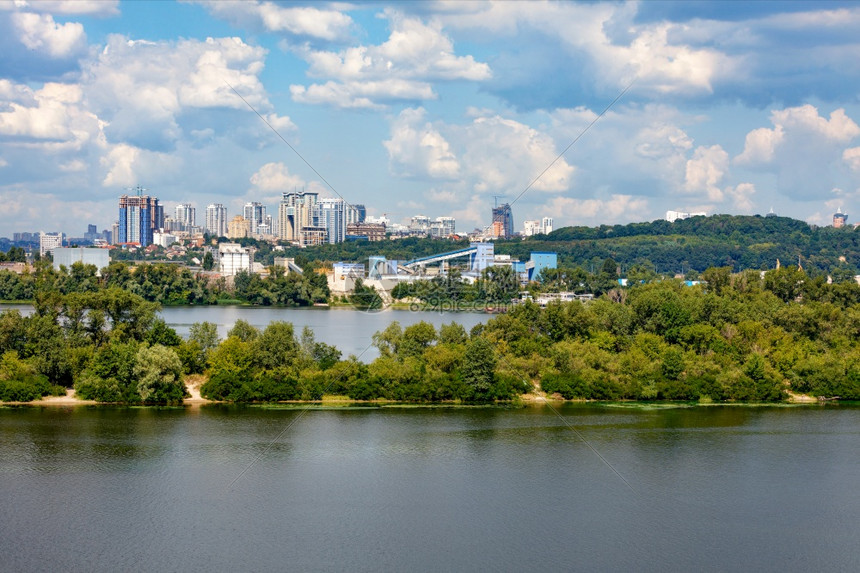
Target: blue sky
430, 108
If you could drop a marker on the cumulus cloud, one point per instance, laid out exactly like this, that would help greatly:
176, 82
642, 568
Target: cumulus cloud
806, 151
366, 95
741, 196
804, 126
506, 155
852, 158
603, 42
398, 69
417, 149
141, 88
705, 172
302, 21
39, 32
53, 117
617, 207
71, 7
276, 177
126, 165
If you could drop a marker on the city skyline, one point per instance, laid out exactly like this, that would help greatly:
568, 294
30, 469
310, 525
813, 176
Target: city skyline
430, 108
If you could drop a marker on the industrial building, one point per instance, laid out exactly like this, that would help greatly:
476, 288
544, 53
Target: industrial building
67, 256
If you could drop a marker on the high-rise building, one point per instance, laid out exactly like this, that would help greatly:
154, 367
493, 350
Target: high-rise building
216, 220
49, 241
255, 214
531, 228
503, 221
420, 224
360, 213
185, 217
442, 227
238, 228
839, 218
296, 217
139, 216
331, 214
546, 225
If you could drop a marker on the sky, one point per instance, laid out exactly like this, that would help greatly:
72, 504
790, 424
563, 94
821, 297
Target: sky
590, 113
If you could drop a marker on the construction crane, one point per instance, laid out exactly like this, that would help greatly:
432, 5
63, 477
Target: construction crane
138, 189
496, 199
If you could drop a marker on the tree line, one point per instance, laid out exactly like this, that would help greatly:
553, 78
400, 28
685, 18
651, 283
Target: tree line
167, 284
737, 337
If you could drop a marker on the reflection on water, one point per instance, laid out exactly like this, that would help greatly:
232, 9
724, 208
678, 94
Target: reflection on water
716, 488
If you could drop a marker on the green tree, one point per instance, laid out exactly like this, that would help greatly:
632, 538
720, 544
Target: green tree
159, 374
479, 367
205, 335
244, 331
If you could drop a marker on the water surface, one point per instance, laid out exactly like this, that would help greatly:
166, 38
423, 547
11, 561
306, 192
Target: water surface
220, 488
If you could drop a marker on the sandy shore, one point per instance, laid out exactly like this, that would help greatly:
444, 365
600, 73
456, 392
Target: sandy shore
193, 384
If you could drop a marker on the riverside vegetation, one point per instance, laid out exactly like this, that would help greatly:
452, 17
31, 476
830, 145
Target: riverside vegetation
740, 337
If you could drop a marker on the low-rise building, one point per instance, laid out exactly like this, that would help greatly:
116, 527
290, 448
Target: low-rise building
233, 257
67, 256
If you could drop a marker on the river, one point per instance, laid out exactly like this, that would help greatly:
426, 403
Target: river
350, 330
218, 488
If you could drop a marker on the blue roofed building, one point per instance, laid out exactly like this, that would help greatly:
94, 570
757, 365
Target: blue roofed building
540, 261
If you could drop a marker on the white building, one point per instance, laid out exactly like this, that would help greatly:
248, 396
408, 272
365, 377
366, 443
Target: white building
233, 257
67, 256
442, 227
163, 239
531, 228
673, 216
185, 217
216, 220
546, 225
49, 241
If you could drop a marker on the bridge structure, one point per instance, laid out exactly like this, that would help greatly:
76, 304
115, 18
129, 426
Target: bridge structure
439, 258
480, 257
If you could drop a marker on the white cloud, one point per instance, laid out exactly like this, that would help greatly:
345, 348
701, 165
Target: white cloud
40, 33
705, 172
276, 177
805, 150
71, 7
126, 165
55, 117
803, 125
142, 88
647, 52
852, 158
417, 149
398, 69
330, 25
504, 155
741, 196
618, 207
365, 95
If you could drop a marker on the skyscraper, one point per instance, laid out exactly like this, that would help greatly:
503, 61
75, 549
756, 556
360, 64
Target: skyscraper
216, 220
546, 225
331, 214
295, 214
186, 217
503, 221
255, 214
139, 216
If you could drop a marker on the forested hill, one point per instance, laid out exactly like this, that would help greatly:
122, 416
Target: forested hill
741, 242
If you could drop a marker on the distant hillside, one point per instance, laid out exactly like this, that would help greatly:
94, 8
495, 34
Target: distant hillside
742, 242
